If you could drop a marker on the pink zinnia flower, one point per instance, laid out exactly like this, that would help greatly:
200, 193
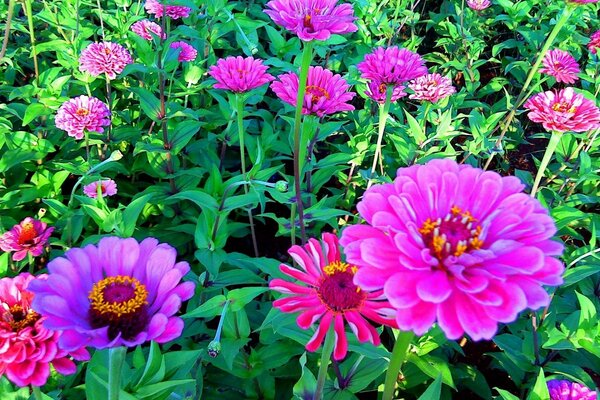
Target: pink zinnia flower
326, 93
431, 87
328, 295
454, 244
378, 91
478, 5
567, 390
29, 236
240, 74
27, 347
146, 28
157, 9
582, 1
312, 19
392, 65
82, 114
118, 293
108, 187
561, 65
104, 58
563, 111
594, 42
187, 52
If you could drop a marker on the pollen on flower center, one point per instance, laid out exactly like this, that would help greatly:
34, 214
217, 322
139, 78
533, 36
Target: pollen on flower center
316, 92
82, 112
564, 107
453, 235
28, 233
337, 290
18, 318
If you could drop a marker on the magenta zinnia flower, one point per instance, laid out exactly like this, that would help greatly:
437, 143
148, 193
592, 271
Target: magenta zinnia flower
82, 114
312, 19
563, 111
326, 93
158, 9
431, 87
329, 296
104, 58
392, 65
567, 390
240, 74
29, 236
582, 1
454, 244
146, 28
478, 5
187, 52
27, 347
108, 187
378, 91
118, 293
594, 43
561, 65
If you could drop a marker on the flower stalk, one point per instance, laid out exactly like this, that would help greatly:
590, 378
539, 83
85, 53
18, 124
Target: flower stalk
552, 144
214, 347
399, 354
37, 392
116, 358
325, 357
384, 110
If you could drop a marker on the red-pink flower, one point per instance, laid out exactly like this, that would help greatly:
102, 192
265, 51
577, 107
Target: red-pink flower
29, 236
312, 19
594, 43
187, 52
478, 5
431, 87
378, 91
27, 348
561, 65
145, 28
82, 114
328, 296
104, 58
158, 9
392, 65
326, 93
240, 74
563, 111
582, 1
108, 187
454, 244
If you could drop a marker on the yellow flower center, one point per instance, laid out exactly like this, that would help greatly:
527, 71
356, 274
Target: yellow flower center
119, 295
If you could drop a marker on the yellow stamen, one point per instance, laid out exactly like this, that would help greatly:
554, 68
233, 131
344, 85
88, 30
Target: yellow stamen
428, 226
101, 305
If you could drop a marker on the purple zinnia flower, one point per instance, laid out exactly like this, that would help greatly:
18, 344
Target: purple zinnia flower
118, 293
187, 52
108, 187
146, 28
392, 65
567, 390
478, 5
82, 114
561, 65
104, 58
157, 9
240, 74
431, 87
378, 91
594, 43
29, 236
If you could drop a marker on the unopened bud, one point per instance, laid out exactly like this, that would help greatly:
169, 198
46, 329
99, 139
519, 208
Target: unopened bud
281, 186
116, 155
214, 348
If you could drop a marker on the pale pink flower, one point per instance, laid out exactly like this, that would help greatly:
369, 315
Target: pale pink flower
478, 5
567, 390
456, 245
153, 7
594, 43
563, 111
145, 28
431, 87
326, 93
104, 58
582, 1
392, 65
108, 187
239, 74
187, 52
378, 91
328, 296
561, 65
82, 114
29, 236
312, 19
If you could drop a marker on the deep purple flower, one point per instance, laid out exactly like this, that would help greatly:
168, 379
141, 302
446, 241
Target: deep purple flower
567, 390
29, 236
392, 65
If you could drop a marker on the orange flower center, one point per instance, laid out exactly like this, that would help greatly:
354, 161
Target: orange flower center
82, 112
28, 234
564, 107
337, 290
316, 92
18, 318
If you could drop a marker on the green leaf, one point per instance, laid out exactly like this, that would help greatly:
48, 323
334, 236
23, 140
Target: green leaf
240, 297
434, 390
154, 370
307, 384
33, 111
587, 317
149, 103
202, 199
132, 212
208, 309
506, 395
540, 389
154, 390
182, 134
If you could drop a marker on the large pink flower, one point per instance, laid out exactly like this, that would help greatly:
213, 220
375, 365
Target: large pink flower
326, 93
146, 28
108, 187
328, 296
582, 1
153, 7
454, 244
29, 236
27, 348
563, 111
392, 65
187, 52
567, 390
478, 5
104, 58
561, 65
82, 114
431, 87
312, 19
594, 43
240, 74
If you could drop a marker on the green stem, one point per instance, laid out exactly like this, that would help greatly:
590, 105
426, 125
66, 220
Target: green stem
32, 39
9, 16
293, 223
325, 356
384, 110
554, 140
399, 354
37, 392
116, 357
306, 59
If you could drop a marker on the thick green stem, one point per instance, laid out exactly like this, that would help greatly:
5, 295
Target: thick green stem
37, 392
384, 110
399, 354
325, 356
32, 39
554, 140
306, 59
116, 357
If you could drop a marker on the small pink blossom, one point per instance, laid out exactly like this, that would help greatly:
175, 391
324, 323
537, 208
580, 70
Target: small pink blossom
312, 19
240, 74
29, 236
594, 43
478, 5
82, 114
187, 52
392, 65
104, 58
326, 93
108, 187
563, 111
561, 65
582, 1
378, 91
153, 7
431, 87
145, 28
